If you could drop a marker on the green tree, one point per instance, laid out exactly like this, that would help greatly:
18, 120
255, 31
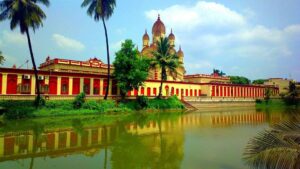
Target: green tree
276, 148
101, 9
25, 14
268, 93
291, 97
165, 60
218, 72
130, 69
239, 80
259, 81
1, 58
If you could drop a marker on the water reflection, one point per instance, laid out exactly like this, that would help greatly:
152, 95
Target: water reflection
145, 141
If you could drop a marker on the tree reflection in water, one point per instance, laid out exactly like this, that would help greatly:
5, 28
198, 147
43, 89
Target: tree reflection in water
276, 148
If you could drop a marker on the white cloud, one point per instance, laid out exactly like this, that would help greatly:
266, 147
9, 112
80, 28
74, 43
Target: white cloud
12, 38
202, 14
213, 34
68, 43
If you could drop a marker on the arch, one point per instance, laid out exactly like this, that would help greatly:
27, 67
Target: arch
148, 91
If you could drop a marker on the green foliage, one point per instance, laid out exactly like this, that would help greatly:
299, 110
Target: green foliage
17, 109
239, 80
275, 148
170, 103
79, 101
39, 101
268, 94
291, 97
99, 9
1, 58
130, 70
59, 104
259, 81
164, 59
218, 72
142, 102
25, 14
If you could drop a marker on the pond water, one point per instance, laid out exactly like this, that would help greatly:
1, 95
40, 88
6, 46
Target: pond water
213, 139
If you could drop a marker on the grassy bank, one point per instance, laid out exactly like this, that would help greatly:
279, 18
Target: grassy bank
26, 109
276, 104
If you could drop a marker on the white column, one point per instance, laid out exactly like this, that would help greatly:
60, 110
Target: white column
81, 85
58, 85
4, 83
92, 86
32, 85
70, 85
101, 86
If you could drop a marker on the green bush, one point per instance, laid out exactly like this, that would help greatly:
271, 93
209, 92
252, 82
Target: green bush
59, 104
142, 102
79, 101
91, 105
17, 113
170, 103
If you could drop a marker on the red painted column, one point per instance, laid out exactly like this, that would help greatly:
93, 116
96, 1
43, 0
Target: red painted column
213, 91
53, 85
1, 84
76, 86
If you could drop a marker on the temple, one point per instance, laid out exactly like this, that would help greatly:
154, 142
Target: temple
64, 79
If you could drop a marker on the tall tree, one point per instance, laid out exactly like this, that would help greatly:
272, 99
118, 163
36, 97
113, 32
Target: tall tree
25, 14
1, 58
130, 70
165, 60
101, 10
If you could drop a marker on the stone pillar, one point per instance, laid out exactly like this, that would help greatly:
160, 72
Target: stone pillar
110, 87
4, 83
56, 139
81, 85
19, 79
30, 143
46, 80
1, 146
92, 86
32, 90
68, 141
70, 85
101, 86
58, 85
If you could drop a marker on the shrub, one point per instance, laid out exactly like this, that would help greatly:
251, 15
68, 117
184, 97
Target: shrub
142, 102
38, 102
17, 113
91, 105
59, 104
79, 101
170, 103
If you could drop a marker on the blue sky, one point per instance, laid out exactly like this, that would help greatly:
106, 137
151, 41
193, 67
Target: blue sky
254, 38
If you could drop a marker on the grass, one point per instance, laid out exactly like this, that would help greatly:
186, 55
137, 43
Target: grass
52, 108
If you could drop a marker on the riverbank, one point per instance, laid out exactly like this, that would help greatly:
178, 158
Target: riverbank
26, 109
276, 104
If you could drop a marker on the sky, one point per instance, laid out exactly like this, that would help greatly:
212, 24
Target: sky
251, 38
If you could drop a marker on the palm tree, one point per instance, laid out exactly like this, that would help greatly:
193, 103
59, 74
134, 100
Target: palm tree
278, 148
24, 14
164, 59
1, 58
101, 9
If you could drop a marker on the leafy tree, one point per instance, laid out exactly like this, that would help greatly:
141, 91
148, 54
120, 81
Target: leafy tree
259, 81
277, 148
101, 9
218, 72
25, 14
130, 69
1, 58
239, 80
165, 60
268, 94
291, 97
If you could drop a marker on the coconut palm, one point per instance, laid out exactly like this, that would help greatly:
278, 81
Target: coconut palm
164, 59
1, 58
25, 14
278, 148
101, 9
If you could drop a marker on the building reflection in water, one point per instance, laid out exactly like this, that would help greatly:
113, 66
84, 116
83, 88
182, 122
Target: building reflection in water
156, 141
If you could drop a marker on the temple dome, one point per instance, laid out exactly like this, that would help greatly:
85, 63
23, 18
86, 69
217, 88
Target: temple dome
146, 36
171, 36
158, 28
180, 52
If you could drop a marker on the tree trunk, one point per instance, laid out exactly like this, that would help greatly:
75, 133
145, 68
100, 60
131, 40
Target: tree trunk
108, 59
161, 83
34, 68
